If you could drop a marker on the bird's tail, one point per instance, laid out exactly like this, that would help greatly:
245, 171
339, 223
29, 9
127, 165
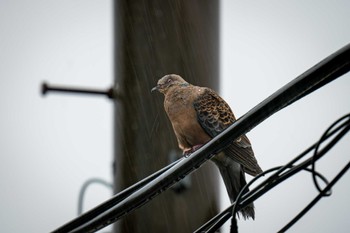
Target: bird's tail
234, 179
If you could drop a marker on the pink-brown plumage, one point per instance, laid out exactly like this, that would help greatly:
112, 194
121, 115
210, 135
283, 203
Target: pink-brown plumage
198, 114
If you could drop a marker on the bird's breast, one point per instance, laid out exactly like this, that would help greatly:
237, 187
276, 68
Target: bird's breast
183, 116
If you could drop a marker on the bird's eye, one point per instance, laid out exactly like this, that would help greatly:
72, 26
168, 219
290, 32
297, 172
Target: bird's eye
169, 80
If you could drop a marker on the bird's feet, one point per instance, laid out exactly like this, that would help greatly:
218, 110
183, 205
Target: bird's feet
189, 151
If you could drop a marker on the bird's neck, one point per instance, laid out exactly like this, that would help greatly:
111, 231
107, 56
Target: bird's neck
172, 90
185, 84
180, 93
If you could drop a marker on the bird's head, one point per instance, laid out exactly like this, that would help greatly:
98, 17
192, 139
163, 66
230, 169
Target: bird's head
169, 81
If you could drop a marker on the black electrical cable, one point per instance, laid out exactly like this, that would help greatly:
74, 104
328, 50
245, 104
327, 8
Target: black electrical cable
322, 73
322, 192
91, 214
303, 165
322, 139
316, 199
216, 222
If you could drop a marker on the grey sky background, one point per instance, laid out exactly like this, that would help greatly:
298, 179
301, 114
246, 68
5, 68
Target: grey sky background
264, 45
50, 146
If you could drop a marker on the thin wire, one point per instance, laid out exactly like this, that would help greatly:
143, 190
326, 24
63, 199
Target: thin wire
216, 222
244, 199
91, 214
316, 199
236, 206
84, 188
226, 214
322, 73
309, 161
220, 222
322, 139
322, 193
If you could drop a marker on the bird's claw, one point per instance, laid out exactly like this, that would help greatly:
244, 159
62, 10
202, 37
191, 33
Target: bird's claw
188, 152
196, 147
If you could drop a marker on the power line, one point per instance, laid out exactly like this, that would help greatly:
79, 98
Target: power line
281, 173
322, 73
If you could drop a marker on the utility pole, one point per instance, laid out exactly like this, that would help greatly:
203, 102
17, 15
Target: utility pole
154, 38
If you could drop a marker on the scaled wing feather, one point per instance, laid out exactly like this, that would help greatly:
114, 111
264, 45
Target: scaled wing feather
215, 115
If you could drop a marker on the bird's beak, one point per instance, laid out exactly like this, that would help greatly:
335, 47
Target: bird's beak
156, 88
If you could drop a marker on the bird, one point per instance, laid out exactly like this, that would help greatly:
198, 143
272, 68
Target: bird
197, 115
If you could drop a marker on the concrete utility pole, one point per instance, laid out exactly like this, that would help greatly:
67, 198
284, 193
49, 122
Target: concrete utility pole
154, 38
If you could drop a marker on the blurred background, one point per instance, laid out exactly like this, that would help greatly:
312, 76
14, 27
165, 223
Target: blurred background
51, 145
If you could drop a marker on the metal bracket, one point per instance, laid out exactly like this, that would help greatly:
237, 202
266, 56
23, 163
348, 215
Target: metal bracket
111, 93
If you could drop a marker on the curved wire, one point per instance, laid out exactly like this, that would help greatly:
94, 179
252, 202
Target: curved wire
316, 199
236, 205
314, 78
324, 136
323, 192
91, 214
84, 188
215, 223
244, 197
210, 226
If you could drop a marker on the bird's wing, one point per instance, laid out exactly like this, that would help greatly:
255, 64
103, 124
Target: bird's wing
242, 152
215, 115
